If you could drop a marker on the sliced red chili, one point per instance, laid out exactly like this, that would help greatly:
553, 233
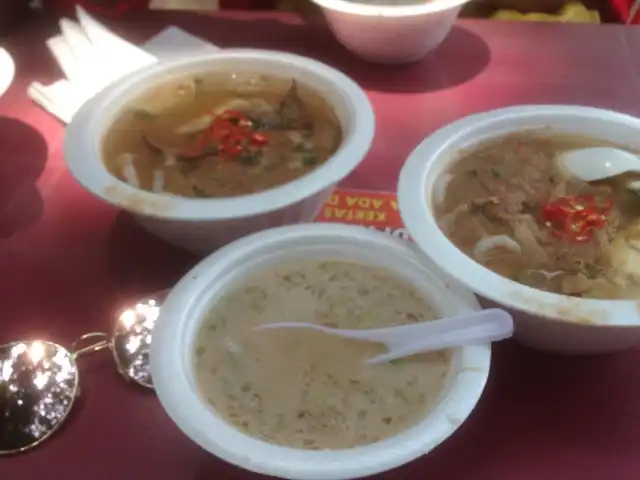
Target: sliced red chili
198, 147
240, 121
233, 130
576, 224
575, 231
576, 217
233, 146
259, 138
222, 128
553, 213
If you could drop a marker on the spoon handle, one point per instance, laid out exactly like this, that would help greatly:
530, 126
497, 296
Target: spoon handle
485, 327
477, 327
493, 318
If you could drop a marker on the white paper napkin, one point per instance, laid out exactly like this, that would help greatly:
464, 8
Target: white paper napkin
91, 57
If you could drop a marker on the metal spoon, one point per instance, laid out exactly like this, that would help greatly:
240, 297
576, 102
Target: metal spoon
478, 327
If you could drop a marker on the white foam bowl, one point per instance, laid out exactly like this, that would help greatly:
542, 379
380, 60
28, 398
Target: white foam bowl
202, 225
183, 312
546, 321
391, 34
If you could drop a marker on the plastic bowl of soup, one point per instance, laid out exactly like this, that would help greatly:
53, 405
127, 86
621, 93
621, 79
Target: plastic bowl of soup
208, 148
299, 404
485, 200
391, 31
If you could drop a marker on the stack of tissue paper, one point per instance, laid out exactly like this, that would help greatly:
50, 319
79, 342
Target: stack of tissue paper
92, 57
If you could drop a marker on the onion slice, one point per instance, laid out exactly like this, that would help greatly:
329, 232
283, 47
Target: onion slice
482, 249
128, 170
170, 158
196, 126
440, 188
158, 181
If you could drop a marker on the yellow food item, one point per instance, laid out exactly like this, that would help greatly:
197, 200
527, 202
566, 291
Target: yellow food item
573, 12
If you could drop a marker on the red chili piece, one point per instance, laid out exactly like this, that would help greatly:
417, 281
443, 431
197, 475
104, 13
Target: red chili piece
576, 217
233, 130
259, 139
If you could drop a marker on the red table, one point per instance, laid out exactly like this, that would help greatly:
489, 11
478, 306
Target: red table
68, 261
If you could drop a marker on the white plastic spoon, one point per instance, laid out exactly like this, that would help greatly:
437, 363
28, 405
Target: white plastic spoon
479, 327
598, 163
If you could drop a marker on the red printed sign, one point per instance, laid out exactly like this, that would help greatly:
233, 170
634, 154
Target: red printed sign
378, 210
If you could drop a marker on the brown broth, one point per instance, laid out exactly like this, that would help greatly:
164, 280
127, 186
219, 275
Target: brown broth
500, 187
163, 141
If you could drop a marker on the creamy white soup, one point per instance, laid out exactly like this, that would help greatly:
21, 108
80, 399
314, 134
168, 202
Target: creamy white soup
307, 389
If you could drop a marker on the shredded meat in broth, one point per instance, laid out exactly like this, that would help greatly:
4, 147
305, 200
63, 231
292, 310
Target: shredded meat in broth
508, 205
221, 135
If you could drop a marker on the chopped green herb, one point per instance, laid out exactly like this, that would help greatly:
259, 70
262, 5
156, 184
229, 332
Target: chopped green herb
234, 361
496, 173
309, 160
142, 114
300, 147
188, 166
332, 379
258, 124
401, 395
395, 361
270, 167
199, 192
248, 160
200, 351
591, 270
601, 198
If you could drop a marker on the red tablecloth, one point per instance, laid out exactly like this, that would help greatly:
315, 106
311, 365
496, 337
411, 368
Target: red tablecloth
67, 260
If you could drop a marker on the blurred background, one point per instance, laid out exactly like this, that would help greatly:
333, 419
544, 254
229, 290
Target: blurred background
13, 12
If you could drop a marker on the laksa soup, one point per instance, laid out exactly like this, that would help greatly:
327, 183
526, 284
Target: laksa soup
508, 205
307, 389
221, 135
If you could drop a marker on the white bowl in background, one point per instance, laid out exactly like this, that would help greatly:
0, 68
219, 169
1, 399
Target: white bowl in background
190, 300
391, 34
202, 225
7, 70
545, 321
